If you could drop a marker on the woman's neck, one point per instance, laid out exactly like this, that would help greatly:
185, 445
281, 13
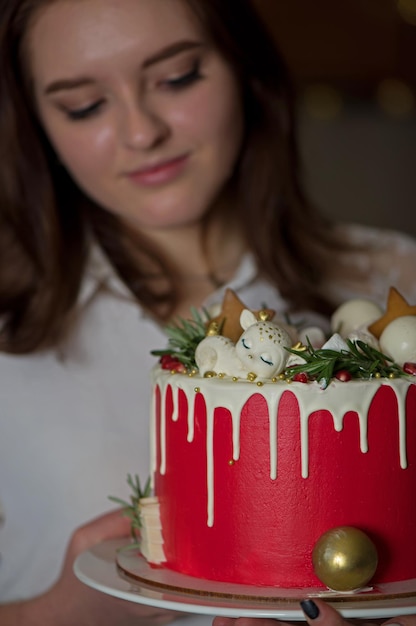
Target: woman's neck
202, 260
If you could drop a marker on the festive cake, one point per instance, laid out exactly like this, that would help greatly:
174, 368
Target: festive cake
270, 442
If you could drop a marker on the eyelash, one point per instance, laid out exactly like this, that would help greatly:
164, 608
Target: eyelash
185, 80
176, 84
81, 114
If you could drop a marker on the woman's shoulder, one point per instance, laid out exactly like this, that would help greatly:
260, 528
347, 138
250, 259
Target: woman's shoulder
379, 239
379, 258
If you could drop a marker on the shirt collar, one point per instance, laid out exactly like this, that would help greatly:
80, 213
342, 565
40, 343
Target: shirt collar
100, 273
246, 273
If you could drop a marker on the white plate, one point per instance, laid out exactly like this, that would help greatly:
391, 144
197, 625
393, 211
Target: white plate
97, 568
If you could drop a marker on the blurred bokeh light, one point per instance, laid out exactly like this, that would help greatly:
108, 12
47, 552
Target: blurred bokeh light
407, 10
395, 98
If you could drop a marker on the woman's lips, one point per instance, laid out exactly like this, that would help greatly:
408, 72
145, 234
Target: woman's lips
160, 173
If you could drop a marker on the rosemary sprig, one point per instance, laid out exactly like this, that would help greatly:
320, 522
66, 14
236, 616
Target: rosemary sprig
184, 336
360, 360
131, 509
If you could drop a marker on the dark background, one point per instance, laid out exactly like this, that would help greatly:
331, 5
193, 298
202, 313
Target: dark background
354, 64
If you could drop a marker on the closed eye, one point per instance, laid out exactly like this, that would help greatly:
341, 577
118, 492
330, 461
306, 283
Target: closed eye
85, 112
186, 79
245, 344
266, 360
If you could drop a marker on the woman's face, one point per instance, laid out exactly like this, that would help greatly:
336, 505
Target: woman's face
140, 108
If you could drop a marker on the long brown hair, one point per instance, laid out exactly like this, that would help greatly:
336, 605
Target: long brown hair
46, 221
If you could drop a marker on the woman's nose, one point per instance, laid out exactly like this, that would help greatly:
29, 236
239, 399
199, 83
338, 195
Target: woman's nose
143, 128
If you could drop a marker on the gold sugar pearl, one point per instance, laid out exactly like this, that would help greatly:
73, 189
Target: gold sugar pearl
259, 384
231, 462
234, 379
221, 375
251, 376
210, 374
197, 389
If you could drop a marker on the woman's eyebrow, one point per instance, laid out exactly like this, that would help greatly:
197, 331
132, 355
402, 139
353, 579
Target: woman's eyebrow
163, 54
65, 84
170, 51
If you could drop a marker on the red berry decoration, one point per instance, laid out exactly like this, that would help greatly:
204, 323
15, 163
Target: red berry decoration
165, 361
301, 377
169, 362
410, 368
343, 375
179, 367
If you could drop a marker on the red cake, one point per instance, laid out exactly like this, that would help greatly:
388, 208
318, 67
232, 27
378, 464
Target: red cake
251, 471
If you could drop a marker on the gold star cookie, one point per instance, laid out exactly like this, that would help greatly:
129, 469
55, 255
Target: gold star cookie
228, 319
396, 307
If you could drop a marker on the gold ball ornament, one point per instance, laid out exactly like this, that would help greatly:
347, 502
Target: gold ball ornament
344, 558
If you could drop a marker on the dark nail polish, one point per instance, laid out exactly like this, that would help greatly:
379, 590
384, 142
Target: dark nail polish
310, 609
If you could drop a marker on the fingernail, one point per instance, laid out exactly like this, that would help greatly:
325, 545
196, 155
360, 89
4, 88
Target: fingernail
310, 609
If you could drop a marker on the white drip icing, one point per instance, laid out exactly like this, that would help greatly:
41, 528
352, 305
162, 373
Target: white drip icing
175, 413
273, 444
304, 444
273, 422
401, 405
236, 418
153, 448
191, 421
234, 404
338, 398
210, 467
163, 429
363, 433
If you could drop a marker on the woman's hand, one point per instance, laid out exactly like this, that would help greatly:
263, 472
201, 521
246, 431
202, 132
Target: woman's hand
70, 602
317, 613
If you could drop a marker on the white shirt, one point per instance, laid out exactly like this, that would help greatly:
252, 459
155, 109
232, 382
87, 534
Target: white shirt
74, 423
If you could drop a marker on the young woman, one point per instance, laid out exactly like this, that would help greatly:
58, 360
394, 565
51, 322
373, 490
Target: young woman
148, 161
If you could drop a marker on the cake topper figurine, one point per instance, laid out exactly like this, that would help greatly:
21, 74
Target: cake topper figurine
260, 350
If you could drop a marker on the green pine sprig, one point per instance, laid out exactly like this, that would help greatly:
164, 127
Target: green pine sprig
184, 336
360, 360
131, 509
